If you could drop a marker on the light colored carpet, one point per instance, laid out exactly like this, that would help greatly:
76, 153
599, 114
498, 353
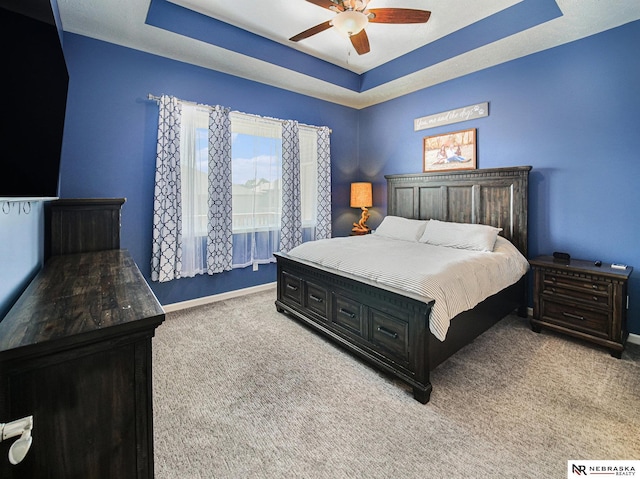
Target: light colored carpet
242, 391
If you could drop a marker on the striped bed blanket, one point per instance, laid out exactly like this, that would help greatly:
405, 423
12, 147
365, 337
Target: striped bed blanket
457, 279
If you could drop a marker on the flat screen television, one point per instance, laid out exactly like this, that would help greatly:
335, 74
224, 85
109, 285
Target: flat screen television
35, 97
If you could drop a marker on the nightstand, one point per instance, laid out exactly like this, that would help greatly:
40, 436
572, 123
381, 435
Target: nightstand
581, 299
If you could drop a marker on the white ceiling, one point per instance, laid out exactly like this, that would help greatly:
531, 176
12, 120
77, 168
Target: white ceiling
280, 20
122, 22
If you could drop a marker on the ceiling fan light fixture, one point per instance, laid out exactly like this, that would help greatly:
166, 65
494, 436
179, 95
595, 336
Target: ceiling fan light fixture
349, 22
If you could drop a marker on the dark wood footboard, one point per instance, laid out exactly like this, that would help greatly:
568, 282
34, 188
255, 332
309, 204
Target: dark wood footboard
386, 327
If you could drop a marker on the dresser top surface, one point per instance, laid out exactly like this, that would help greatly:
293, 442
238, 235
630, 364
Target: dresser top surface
80, 295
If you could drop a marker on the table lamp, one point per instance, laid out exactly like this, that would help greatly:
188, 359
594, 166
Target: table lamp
361, 197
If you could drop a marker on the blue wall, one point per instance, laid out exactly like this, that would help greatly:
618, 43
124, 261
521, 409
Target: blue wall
21, 248
571, 113
110, 140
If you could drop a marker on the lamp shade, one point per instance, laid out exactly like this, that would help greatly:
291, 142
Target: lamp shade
361, 195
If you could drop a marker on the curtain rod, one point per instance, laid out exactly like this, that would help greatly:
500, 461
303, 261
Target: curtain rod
157, 98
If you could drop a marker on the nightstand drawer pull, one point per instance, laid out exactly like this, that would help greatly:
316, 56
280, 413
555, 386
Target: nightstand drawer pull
386, 332
292, 287
594, 286
573, 316
347, 313
316, 298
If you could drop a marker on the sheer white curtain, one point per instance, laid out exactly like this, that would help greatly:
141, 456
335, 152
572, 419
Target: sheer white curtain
193, 160
308, 177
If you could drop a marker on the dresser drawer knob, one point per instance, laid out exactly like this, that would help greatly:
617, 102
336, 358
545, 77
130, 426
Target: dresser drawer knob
292, 287
316, 298
347, 313
594, 286
595, 298
386, 332
574, 316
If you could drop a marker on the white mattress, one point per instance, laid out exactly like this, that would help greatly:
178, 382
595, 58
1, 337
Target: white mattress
456, 279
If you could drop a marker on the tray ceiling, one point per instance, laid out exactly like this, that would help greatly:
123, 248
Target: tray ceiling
249, 39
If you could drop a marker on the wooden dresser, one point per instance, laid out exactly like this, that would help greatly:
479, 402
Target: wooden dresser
581, 299
83, 225
75, 352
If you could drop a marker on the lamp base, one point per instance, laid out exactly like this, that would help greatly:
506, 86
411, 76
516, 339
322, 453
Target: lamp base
361, 228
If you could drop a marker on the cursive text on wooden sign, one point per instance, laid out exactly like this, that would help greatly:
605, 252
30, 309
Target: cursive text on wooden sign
465, 113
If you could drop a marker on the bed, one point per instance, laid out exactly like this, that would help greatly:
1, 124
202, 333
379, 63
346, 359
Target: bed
384, 322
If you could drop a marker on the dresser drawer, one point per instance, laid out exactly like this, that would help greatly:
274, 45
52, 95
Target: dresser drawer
349, 315
316, 300
390, 335
586, 288
580, 319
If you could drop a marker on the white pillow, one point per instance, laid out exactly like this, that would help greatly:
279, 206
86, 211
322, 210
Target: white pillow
397, 227
460, 235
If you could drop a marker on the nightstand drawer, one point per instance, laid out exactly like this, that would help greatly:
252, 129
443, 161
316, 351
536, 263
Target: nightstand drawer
585, 285
594, 297
582, 319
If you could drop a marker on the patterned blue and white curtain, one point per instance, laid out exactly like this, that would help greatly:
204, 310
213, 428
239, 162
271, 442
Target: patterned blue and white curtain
187, 238
166, 262
220, 227
291, 228
323, 224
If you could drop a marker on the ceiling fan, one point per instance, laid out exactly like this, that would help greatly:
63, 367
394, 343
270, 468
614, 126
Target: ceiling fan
352, 17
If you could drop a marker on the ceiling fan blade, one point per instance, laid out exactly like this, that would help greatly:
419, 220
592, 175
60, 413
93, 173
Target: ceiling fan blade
326, 4
360, 42
398, 15
311, 31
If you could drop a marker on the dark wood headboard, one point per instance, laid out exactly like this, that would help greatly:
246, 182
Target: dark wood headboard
494, 196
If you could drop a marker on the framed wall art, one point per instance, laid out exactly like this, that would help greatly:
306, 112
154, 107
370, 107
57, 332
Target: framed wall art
450, 151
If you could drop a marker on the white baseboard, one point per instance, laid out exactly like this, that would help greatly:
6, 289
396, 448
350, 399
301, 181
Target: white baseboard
633, 338
217, 297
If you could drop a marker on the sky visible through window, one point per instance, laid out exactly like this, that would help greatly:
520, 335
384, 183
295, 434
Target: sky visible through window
251, 159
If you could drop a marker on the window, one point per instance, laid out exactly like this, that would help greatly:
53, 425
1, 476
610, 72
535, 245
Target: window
256, 170
231, 189
256, 151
